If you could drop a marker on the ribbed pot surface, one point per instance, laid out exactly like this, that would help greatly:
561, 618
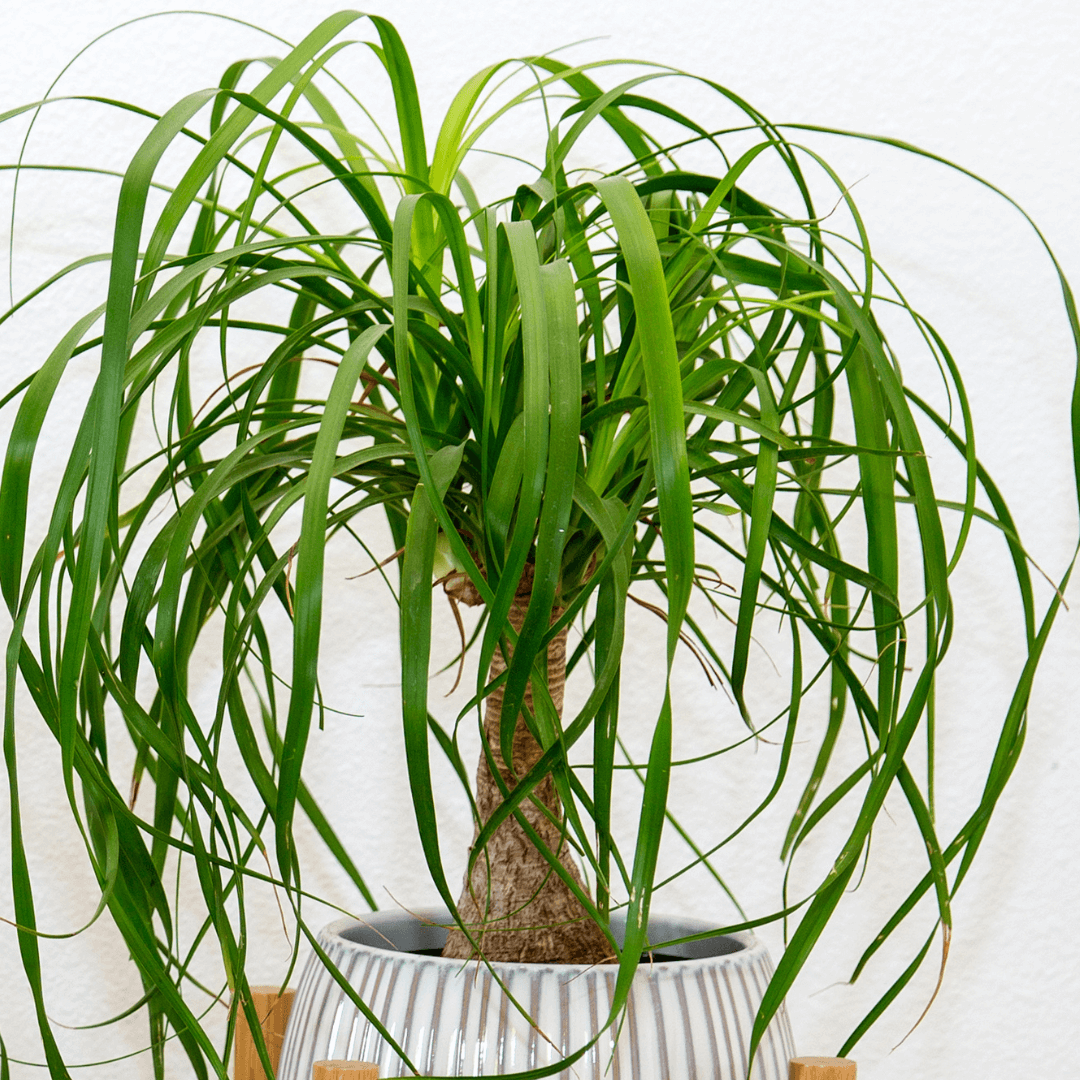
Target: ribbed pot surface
687, 1019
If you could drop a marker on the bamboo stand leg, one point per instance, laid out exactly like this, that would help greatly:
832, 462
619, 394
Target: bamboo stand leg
344, 1070
273, 1008
822, 1068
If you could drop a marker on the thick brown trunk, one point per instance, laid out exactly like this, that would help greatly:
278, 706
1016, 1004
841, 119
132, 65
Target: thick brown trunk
515, 906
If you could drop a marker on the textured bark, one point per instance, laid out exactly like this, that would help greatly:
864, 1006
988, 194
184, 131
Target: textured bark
515, 906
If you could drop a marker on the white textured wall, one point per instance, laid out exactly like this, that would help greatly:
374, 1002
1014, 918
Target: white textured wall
993, 85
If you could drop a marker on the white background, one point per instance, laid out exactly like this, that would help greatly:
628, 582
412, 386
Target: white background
994, 86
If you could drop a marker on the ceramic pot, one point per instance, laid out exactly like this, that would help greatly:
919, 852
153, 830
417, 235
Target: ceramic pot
686, 1019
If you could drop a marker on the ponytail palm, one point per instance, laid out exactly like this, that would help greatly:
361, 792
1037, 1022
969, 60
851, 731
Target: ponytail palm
599, 387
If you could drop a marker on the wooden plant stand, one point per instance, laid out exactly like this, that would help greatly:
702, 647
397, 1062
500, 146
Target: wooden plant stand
273, 1007
344, 1070
821, 1068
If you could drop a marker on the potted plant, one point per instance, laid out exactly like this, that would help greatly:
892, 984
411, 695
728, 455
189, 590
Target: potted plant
634, 383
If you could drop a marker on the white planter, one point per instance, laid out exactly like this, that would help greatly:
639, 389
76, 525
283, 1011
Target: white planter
686, 1019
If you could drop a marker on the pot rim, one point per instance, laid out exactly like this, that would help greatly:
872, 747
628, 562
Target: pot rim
384, 923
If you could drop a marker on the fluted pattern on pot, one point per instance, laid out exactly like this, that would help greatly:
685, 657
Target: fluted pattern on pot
688, 1019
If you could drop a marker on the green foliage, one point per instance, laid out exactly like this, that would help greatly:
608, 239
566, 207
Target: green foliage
586, 375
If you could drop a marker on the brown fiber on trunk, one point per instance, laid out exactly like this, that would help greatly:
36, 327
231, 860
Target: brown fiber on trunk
524, 913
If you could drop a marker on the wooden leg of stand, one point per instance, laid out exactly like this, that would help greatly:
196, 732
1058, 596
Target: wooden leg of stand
344, 1070
822, 1068
272, 1007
